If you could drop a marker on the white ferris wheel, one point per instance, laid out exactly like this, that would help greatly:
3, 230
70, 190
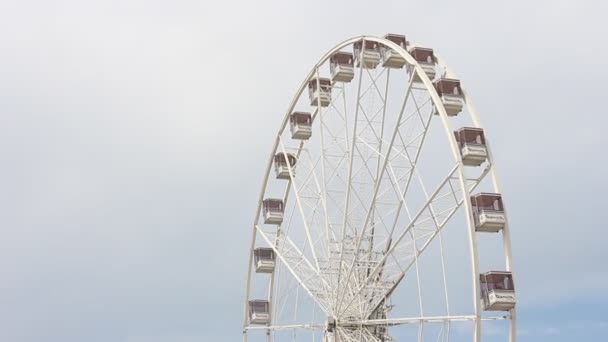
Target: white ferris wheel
379, 196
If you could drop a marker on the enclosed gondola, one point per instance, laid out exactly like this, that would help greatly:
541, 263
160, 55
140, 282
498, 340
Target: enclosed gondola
341, 67
367, 54
497, 291
426, 59
259, 312
451, 95
319, 92
273, 209
300, 124
390, 57
283, 162
264, 259
488, 212
472, 144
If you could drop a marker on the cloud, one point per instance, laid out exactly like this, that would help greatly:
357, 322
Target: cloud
133, 137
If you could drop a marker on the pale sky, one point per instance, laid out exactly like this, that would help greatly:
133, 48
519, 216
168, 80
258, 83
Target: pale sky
134, 135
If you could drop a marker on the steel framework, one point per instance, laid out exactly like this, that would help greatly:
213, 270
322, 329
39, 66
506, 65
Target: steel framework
362, 208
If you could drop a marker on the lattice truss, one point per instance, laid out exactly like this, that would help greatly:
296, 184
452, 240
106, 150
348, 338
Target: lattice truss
359, 211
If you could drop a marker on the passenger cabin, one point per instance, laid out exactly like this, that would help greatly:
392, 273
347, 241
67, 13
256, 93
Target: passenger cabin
319, 94
390, 57
426, 59
300, 124
488, 212
273, 211
341, 67
497, 291
451, 95
367, 54
282, 163
264, 260
259, 312
472, 145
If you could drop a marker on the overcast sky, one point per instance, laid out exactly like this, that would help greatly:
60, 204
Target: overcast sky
133, 137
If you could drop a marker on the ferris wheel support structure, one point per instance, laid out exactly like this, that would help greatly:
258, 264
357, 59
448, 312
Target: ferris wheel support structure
346, 274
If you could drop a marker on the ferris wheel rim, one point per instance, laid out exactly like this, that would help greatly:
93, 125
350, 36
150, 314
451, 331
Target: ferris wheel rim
507, 249
445, 123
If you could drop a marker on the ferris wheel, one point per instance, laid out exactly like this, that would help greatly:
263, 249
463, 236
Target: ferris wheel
380, 216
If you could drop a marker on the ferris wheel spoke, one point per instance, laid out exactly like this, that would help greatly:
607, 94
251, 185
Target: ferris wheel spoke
426, 319
369, 337
377, 185
348, 182
372, 116
287, 327
374, 80
409, 260
362, 334
300, 268
332, 105
283, 292
301, 209
417, 142
401, 151
411, 168
322, 187
395, 183
372, 85
420, 215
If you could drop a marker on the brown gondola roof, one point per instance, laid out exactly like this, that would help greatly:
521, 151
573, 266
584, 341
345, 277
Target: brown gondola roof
258, 304
300, 117
323, 82
447, 86
280, 157
342, 58
272, 202
469, 135
369, 45
397, 39
485, 199
494, 276
264, 252
422, 54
